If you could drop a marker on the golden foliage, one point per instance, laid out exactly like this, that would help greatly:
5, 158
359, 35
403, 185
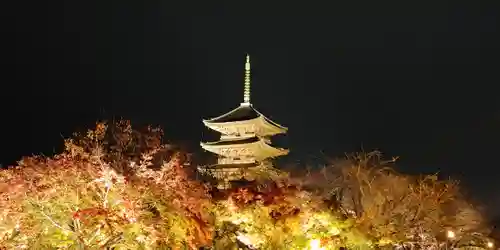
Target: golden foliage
390, 207
120, 188
115, 188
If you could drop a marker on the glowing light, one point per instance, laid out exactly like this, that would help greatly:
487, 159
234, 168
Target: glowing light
450, 234
490, 244
315, 244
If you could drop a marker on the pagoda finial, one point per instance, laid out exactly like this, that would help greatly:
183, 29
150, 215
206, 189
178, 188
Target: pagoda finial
246, 93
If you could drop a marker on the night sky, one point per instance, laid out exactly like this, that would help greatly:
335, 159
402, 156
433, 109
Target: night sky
419, 81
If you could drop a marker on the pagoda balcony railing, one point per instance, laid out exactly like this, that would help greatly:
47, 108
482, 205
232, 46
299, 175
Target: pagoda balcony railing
237, 136
235, 161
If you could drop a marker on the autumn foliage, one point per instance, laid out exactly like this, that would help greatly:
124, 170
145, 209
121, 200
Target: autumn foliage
391, 208
112, 188
116, 187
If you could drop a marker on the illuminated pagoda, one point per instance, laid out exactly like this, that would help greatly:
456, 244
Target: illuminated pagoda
244, 148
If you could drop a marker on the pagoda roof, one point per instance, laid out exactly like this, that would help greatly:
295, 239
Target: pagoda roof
267, 150
236, 141
241, 113
244, 112
232, 165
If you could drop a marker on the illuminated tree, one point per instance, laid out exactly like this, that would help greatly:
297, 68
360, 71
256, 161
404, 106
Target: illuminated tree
280, 216
119, 188
393, 208
112, 188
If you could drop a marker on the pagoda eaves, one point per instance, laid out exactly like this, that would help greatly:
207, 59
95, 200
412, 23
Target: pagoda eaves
254, 147
244, 121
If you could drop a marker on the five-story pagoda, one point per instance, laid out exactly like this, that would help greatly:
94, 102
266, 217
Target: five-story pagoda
244, 147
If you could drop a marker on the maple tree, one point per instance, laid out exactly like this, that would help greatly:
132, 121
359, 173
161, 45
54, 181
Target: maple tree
116, 187
393, 208
113, 187
280, 216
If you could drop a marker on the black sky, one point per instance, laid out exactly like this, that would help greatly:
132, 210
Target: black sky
418, 80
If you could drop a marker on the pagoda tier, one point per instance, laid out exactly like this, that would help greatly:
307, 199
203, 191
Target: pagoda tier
244, 121
255, 148
228, 174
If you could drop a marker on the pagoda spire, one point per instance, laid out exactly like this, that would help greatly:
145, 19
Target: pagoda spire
246, 93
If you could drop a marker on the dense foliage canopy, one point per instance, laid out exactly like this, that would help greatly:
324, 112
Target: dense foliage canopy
120, 188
